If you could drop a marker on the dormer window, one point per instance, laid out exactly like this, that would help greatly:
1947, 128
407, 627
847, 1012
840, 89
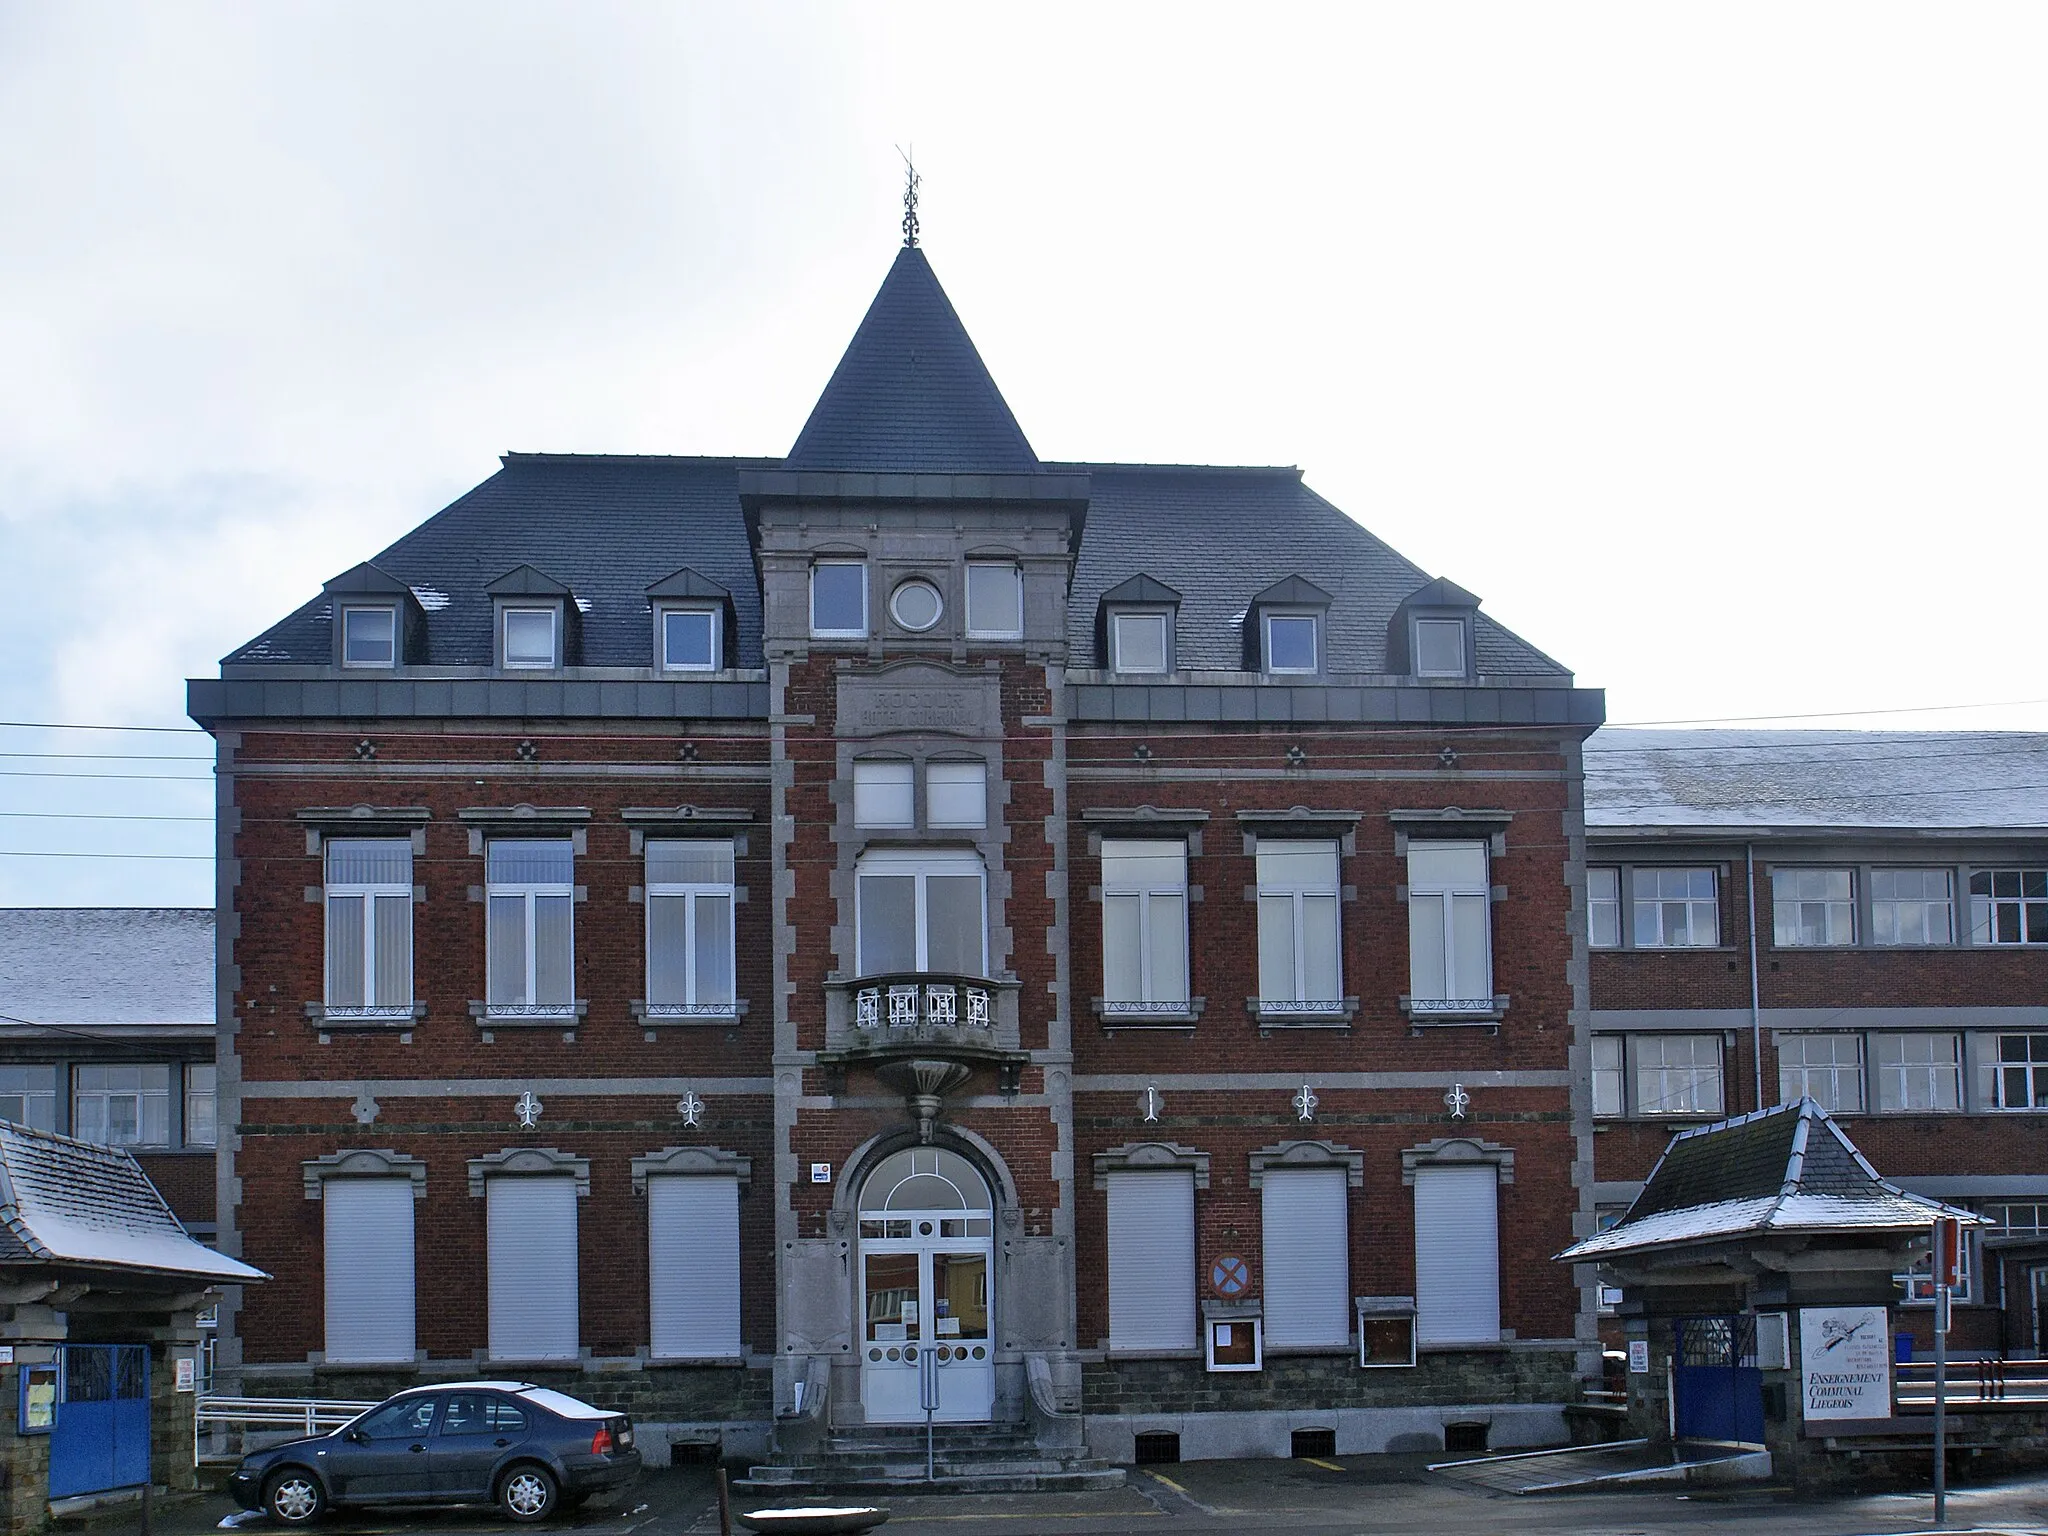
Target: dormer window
529, 638
1140, 642
689, 639
1439, 647
1293, 642
839, 600
369, 637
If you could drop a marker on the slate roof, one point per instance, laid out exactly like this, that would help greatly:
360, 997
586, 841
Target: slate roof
1783, 1170
72, 1202
107, 966
910, 394
1927, 781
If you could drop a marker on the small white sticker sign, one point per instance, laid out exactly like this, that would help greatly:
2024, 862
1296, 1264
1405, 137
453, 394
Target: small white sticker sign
821, 1173
1845, 1362
1639, 1357
188, 1375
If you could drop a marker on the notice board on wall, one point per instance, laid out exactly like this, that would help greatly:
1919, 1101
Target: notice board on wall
1845, 1362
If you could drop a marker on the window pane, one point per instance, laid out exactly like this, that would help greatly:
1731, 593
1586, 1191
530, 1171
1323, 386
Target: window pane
1468, 948
508, 949
689, 862
884, 795
667, 955
532, 861
393, 917
1435, 866
1290, 643
888, 924
953, 924
1607, 1074
529, 637
199, 1104
1320, 968
1440, 647
1139, 642
1122, 951
155, 1127
368, 637
1276, 949
995, 599
1148, 865
1426, 949
956, 794
688, 639
345, 951
714, 950
1603, 907
839, 598
1166, 942
1297, 866
369, 861
554, 971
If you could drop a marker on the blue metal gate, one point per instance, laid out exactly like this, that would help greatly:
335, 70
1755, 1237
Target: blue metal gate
101, 1437
1720, 1391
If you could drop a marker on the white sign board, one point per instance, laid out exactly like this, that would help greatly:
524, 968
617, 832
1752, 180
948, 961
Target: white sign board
1845, 1362
1638, 1357
187, 1374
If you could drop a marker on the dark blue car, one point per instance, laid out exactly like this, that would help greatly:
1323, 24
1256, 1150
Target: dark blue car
528, 1449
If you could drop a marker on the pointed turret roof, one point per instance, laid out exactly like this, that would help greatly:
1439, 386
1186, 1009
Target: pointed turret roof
912, 394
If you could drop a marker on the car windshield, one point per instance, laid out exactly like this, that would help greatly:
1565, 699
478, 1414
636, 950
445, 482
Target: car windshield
562, 1404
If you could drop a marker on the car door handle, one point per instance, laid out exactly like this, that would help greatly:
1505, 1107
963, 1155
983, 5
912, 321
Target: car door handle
416, 1449
501, 1441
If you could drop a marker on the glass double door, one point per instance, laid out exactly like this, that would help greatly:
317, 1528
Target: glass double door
925, 1317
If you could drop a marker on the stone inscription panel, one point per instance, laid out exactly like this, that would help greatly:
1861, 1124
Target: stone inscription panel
919, 697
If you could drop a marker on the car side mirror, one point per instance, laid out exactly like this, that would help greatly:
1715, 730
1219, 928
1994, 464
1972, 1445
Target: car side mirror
356, 1437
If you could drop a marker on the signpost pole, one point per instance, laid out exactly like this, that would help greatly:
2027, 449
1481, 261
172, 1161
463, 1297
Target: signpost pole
1943, 1267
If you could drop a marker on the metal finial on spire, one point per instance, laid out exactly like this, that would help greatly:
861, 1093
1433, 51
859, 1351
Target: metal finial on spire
910, 184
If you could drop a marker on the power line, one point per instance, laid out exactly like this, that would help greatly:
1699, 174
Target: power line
98, 816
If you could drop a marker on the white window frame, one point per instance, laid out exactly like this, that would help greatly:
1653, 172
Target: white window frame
1893, 905
1267, 617
1790, 908
1296, 895
714, 617
1659, 904
2030, 1073
552, 613
494, 890
1666, 1073
1810, 1062
924, 586
1163, 617
2029, 905
1456, 627
1146, 894
19, 1085
349, 611
1445, 898
1603, 895
1918, 1282
860, 633
920, 865
367, 893
872, 778
969, 775
1895, 1078
1610, 1076
690, 893
143, 1094
1016, 574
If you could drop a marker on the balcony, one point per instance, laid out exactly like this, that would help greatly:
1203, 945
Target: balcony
926, 1014
919, 1002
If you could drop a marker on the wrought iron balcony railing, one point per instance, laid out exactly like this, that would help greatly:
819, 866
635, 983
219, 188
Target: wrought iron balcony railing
920, 1001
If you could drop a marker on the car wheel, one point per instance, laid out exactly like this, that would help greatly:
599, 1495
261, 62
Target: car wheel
294, 1496
528, 1493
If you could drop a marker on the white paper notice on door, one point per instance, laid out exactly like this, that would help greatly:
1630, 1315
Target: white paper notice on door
1845, 1362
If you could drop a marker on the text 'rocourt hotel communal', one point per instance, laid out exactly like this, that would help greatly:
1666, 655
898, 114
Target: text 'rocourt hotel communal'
908, 919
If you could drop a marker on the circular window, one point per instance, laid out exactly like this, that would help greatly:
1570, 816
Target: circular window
916, 605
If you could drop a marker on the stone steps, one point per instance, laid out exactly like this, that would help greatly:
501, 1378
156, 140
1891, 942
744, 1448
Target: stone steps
985, 1458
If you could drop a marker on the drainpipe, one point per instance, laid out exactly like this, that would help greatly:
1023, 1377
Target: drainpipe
1756, 1008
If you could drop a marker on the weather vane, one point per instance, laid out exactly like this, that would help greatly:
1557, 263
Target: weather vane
910, 182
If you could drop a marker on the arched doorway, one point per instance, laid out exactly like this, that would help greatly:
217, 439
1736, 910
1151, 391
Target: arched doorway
927, 1227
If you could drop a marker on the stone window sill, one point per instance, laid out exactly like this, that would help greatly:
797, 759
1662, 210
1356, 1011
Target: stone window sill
1464, 1013
552, 1016
332, 1020
1334, 1014
688, 1016
1114, 1016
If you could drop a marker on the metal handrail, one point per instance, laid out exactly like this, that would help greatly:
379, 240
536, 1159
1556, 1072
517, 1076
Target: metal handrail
1988, 1379
300, 1415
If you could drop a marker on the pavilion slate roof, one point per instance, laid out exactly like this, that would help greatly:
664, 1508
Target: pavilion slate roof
1783, 1170
77, 1204
107, 966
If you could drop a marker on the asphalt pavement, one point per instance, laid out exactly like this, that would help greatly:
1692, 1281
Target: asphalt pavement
1336, 1496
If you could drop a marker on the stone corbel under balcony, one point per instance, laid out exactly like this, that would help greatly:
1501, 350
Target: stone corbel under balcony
921, 1016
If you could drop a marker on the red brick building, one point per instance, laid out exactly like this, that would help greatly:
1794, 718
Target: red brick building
1858, 917
909, 924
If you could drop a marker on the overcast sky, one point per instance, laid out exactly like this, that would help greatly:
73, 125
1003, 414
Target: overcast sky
1704, 342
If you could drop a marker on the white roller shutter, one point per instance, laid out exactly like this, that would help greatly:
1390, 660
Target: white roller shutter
1307, 1257
1152, 1260
533, 1268
1457, 1256
368, 1256
693, 1265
